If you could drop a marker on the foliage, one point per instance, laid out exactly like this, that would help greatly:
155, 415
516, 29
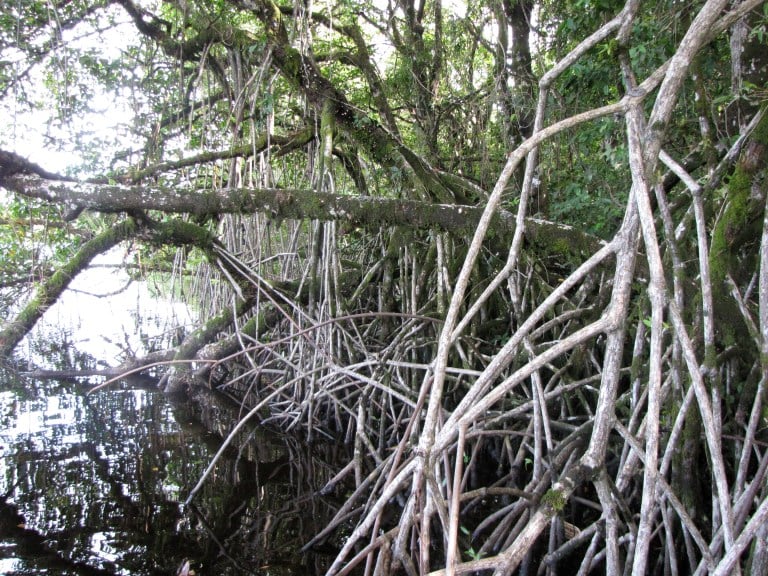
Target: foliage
33, 242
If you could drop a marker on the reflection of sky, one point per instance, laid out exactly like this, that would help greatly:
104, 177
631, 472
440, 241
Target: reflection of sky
100, 478
79, 467
101, 545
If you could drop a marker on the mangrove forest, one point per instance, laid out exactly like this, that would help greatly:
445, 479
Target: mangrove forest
511, 255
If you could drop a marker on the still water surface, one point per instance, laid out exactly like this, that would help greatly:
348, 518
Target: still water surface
94, 484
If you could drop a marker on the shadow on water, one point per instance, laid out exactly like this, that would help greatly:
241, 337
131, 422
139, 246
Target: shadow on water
94, 484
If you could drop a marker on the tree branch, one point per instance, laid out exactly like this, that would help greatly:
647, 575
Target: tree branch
300, 204
13, 332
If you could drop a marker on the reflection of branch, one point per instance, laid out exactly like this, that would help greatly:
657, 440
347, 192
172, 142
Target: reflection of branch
212, 534
120, 290
33, 545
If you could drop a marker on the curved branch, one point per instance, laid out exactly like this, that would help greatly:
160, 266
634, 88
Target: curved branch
302, 71
174, 232
14, 331
281, 144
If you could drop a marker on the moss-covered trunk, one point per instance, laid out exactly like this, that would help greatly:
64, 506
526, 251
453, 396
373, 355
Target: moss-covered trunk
49, 291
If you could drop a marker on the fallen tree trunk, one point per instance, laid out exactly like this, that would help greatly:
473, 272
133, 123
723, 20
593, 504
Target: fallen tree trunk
300, 204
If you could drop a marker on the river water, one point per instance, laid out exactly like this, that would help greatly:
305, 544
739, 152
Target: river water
95, 483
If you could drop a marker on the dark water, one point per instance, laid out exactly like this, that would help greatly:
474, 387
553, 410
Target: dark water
94, 484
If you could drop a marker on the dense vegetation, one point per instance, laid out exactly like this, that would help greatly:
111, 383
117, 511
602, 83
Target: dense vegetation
514, 252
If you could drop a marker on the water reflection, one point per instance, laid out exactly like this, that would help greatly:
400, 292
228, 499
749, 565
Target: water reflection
92, 484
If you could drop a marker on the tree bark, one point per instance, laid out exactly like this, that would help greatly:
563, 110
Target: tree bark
298, 204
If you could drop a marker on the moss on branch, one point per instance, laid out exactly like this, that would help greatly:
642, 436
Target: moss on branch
735, 236
50, 290
174, 232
